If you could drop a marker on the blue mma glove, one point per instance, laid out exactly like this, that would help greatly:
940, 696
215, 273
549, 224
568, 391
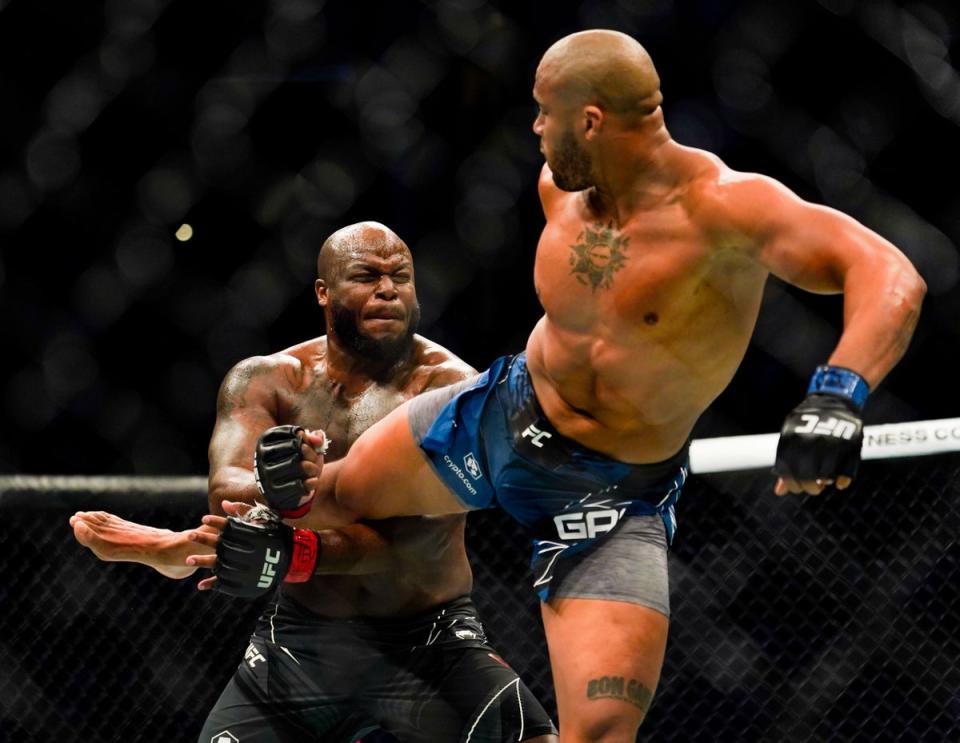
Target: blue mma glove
822, 437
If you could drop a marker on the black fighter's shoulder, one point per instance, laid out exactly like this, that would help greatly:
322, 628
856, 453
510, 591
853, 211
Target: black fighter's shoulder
440, 366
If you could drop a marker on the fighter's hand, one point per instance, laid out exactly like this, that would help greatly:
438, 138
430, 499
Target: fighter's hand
257, 551
819, 446
287, 464
208, 536
113, 539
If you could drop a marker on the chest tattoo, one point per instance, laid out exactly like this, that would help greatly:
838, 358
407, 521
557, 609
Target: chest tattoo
597, 255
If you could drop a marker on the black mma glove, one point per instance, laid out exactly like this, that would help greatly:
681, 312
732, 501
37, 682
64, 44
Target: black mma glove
822, 437
276, 468
255, 553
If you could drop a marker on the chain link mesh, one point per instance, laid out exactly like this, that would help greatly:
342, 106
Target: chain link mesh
794, 619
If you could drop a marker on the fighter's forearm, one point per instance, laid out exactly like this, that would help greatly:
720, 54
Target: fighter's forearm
264, 553
353, 550
235, 484
881, 309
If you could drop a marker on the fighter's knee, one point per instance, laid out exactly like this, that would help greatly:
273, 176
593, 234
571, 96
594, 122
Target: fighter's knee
601, 728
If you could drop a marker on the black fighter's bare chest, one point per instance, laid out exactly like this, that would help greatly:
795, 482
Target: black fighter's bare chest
342, 412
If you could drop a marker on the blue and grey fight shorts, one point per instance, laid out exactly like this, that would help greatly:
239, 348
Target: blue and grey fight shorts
490, 443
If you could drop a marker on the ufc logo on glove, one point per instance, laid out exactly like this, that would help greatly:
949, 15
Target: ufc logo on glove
828, 426
269, 570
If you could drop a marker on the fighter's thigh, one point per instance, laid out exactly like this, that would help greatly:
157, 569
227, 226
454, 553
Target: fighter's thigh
465, 693
273, 697
385, 474
241, 715
606, 658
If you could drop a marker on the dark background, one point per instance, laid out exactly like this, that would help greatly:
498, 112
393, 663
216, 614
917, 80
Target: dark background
793, 620
267, 125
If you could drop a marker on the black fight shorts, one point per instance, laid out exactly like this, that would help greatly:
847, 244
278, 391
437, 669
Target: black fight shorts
431, 678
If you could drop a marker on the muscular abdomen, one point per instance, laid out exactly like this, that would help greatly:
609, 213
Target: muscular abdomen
627, 370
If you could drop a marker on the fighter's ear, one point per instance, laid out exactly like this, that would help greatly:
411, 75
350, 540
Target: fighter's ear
320, 288
592, 121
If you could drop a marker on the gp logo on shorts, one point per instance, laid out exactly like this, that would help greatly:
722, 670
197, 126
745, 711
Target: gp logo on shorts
224, 737
587, 524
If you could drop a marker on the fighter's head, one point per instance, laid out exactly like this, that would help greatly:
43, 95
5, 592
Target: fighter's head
587, 84
365, 286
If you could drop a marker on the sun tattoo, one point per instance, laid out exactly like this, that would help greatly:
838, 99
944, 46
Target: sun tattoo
597, 255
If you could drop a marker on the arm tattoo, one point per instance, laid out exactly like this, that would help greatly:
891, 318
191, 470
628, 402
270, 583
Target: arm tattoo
616, 687
597, 255
233, 391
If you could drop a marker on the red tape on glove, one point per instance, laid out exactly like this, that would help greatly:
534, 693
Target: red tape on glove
306, 549
299, 511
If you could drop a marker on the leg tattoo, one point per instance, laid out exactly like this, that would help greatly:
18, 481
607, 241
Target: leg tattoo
616, 687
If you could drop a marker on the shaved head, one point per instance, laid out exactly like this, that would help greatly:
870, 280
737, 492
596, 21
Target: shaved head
603, 68
354, 241
365, 286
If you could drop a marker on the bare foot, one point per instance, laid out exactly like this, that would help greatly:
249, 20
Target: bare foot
114, 539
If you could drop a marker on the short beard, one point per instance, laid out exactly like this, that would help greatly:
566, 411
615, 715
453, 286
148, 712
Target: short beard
379, 350
571, 165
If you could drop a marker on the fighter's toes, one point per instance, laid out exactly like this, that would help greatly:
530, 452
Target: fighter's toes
81, 532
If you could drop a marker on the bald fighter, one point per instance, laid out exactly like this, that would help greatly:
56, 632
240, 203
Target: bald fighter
375, 626
650, 270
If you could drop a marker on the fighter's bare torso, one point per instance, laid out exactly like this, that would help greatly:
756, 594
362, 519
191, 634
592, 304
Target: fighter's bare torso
646, 321
426, 562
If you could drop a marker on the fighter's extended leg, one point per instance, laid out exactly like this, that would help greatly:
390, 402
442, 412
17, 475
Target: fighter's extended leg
384, 474
113, 539
606, 658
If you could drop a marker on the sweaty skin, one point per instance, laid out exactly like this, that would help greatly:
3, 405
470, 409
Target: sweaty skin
335, 387
396, 566
650, 270
393, 567
654, 257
